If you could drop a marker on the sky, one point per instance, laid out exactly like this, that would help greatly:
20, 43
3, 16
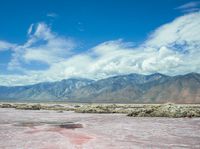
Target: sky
51, 40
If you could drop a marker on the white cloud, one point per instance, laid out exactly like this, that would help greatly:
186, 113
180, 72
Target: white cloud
172, 49
6, 45
30, 29
190, 7
183, 30
52, 15
43, 45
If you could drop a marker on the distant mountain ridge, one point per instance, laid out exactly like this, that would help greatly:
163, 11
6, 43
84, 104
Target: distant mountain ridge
131, 88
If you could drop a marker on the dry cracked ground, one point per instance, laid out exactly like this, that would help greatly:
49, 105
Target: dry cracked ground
44, 129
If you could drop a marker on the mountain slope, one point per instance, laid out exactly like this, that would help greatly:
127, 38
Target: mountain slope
43, 91
129, 88
181, 89
123, 88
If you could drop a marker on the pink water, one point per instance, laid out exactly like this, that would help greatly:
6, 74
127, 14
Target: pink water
26, 129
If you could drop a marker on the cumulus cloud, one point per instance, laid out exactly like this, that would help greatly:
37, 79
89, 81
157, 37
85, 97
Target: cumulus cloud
42, 45
182, 31
172, 49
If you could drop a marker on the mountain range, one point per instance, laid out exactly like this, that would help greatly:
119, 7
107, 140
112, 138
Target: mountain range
131, 88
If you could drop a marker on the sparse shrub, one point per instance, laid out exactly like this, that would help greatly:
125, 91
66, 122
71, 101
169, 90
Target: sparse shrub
6, 106
166, 110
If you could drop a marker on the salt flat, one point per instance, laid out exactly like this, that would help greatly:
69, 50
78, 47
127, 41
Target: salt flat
43, 129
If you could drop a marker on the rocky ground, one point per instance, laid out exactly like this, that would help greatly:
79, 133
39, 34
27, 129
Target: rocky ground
49, 129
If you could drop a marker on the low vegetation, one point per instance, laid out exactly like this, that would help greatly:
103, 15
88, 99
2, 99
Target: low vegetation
107, 108
32, 106
134, 110
167, 110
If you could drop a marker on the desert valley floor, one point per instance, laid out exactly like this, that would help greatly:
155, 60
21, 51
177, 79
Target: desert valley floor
43, 129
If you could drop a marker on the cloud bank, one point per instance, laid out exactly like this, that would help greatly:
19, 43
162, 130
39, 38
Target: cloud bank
172, 49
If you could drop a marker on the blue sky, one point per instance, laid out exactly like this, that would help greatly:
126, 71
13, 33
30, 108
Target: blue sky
51, 40
90, 21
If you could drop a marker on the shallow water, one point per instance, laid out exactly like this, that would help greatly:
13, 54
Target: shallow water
27, 129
